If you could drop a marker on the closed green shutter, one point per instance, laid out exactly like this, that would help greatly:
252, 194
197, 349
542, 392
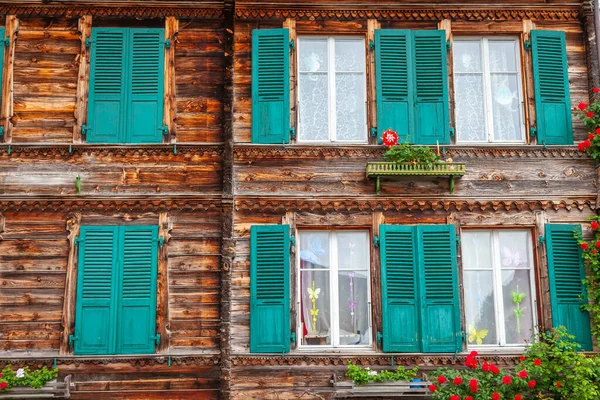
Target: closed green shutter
2, 34
566, 271
431, 88
270, 289
551, 83
96, 290
108, 79
399, 278
394, 82
270, 86
439, 289
146, 86
136, 323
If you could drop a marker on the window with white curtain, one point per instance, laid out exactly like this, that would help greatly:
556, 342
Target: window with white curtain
332, 89
334, 289
488, 90
499, 291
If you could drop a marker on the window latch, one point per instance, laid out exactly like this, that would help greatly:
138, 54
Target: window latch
88, 42
452, 131
164, 129
541, 239
371, 45
448, 45
293, 337
72, 339
293, 241
168, 43
376, 241
374, 131
1, 131
293, 132
379, 337
532, 131
156, 338
527, 45
160, 240
6, 42
292, 45
85, 129
79, 241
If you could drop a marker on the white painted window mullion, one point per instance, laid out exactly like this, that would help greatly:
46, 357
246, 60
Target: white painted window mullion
332, 94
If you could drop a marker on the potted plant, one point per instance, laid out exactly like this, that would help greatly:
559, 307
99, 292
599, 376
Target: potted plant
23, 382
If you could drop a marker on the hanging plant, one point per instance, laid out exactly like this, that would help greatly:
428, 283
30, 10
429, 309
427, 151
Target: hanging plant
590, 253
590, 115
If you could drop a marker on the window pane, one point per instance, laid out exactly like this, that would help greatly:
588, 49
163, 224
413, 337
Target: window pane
353, 308
518, 313
314, 250
470, 113
506, 107
476, 249
352, 250
467, 56
503, 55
315, 315
350, 107
312, 55
314, 107
515, 248
350, 55
479, 308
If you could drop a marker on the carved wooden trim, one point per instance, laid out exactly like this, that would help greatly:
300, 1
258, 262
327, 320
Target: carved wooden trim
375, 204
170, 109
68, 315
165, 225
51, 151
140, 361
409, 14
120, 12
83, 80
2, 225
7, 110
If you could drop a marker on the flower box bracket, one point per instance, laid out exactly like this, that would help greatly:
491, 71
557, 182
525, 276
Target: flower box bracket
377, 170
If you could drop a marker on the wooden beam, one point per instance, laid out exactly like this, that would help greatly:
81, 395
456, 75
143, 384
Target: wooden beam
541, 274
68, 315
376, 311
291, 25
170, 109
527, 69
290, 219
7, 111
446, 25
372, 25
83, 79
162, 296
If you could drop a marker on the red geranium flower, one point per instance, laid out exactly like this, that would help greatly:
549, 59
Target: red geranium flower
518, 397
586, 143
494, 369
474, 353
594, 251
432, 388
469, 398
594, 225
597, 245
537, 362
596, 90
532, 383
584, 246
389, 138
522, 374
495, 396
454, 397
3, 385
598, 131
474, 385
441, 379
458, 380
485, 367
590, 114
591, 136
558, 384
522, 358
582, 106
506, 380
581, 147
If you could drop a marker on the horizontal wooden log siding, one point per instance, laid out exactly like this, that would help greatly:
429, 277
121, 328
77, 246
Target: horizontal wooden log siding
33, 259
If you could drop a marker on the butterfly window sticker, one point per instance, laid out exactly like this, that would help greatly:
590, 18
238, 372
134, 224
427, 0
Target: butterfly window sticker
477, 336
313, 294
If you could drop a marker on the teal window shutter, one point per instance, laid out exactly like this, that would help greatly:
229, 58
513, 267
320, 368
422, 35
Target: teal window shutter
270, 86
145, 86
551, 84
2, 36
107, 92
394, 82
400, 307
566, 271
96, 290
430, 92
439, 289
270, 289
136, 322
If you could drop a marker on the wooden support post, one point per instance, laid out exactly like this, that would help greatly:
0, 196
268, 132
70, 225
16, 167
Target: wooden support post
377, 322
7, 111
171, 32
372, 25
527, 68
290, 219
543, 281
83, 80
446, 25
291, 25
68, 315
162, 295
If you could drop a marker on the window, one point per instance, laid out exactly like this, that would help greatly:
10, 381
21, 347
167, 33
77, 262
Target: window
498, 287
126, 86
334, 288
116, 290
488, 91
331, 90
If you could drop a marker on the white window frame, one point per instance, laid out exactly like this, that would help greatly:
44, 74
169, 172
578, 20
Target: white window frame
333, 287
497, 289
331, 103
487, 85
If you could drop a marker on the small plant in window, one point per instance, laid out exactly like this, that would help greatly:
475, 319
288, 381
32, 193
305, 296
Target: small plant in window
313, 294
405, 153
10, 378
477, 336
517, 298
590, 115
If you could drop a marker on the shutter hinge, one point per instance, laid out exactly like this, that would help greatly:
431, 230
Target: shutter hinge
293, 337
532, 131
376, 241
379, 337
293, 132
72, 339
458, 241
452, 131
79, 240
156, 338
541, 239
88, 42
527, 45
1, 131
85, 129
292, 45
293, 241
6, 42
160, 240
448, 45
371, 45
168, 43
164, 129
374, 131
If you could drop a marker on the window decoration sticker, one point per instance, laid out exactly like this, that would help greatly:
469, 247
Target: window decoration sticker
477, 336
314, 311
517, 298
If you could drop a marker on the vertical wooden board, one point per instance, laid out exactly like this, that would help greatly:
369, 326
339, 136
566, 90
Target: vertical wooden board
527, 68
446, 25
171, 32
81, 108
162, 296
372, 25
290, 24
7, 111
68, 317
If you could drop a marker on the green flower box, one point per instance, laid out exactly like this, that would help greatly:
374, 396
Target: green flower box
376, 170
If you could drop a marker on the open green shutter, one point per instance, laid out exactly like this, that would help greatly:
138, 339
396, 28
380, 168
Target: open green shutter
96, 293
394, 82
439, 289
551, 83
2, 36
107, 98
399, 289
136, 321
270, 86
431, 123
145, 86
567, 292
270, 289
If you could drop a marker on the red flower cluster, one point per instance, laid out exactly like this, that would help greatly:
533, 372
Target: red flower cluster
3, 385
537, 362
518, 397
441, 379
454, 397
474, 385
584, 246
507, 379
471, 360
390, 138
594, 225
522, 374
532, 383
495, 396
458, 380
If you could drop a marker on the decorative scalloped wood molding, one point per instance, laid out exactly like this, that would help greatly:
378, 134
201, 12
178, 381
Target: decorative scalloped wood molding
38, 362
374, 204
122, 12
410, 14
47, 151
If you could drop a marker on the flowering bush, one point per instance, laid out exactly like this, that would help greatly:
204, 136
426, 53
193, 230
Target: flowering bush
24, 377
590, 115
404, 152
590, 253
551, 368
362, 376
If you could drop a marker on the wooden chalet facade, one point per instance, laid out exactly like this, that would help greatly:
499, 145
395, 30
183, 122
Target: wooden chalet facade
185, 210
